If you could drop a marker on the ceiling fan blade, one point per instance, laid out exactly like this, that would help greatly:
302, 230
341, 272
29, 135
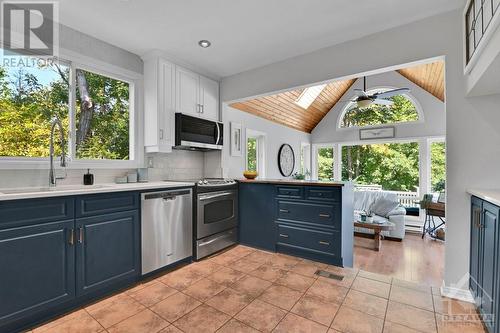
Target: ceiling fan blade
383, 102
390, 93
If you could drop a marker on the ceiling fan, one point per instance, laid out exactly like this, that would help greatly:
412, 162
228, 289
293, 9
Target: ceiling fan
364, 100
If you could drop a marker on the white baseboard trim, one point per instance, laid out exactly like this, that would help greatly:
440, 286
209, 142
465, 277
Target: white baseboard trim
457, 293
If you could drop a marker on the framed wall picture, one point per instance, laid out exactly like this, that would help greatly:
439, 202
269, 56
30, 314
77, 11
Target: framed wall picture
377, 133
236, 148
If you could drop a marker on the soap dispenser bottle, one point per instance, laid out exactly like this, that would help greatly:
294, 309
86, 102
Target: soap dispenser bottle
88, 178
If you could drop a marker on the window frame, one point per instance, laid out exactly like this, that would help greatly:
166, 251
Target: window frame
415, 102
261, 138
136, 155
314, 162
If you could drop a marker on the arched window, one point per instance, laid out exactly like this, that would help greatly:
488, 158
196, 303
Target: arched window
404, 109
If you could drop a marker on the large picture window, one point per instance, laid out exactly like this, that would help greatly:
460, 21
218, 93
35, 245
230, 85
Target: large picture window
393, 166
96, 114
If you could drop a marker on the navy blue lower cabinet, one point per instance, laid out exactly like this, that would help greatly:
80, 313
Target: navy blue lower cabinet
484, 280
475, 234
256, 212
107, 250
37, 269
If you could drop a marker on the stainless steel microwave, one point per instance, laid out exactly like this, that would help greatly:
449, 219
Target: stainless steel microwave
197, 133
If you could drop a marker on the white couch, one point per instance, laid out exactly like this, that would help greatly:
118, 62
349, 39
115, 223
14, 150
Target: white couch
364, 199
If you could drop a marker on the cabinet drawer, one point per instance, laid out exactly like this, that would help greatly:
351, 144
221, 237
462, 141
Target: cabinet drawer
35, 211
315, 193
290, 191
90, 205
324, 241
327, 215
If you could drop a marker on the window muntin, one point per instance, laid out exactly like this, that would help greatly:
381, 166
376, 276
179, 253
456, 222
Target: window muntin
403, 110
478, 17
112, 132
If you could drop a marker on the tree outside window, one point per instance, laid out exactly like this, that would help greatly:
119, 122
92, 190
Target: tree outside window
31, 96
252, 154
325, 163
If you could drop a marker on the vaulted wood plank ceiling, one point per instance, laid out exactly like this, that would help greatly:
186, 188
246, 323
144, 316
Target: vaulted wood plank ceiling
429, 77
282, 108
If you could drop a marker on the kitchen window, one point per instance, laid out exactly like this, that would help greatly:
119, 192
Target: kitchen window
255, 152
95, 107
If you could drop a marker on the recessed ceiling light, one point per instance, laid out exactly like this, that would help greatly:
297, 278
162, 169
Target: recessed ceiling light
204, 43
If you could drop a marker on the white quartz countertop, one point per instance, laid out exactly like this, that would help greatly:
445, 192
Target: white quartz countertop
492, 196
65, 190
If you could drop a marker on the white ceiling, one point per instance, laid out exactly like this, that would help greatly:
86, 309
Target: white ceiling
245, 34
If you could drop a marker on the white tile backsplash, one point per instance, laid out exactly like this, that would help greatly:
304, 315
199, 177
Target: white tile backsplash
177, 165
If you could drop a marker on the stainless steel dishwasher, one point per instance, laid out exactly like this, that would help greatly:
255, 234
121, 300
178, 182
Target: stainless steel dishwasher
167, 228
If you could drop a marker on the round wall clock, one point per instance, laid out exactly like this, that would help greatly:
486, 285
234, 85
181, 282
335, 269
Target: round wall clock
286, 160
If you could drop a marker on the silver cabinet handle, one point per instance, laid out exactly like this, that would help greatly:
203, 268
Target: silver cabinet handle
324, 243
324, 215
202, 107
284, 211
283, 235
80, 235
71, 240
161, 134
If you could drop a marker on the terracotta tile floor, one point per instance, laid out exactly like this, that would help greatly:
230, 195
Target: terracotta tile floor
248, 290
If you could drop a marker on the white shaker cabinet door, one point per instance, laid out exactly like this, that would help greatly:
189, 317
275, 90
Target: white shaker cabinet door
187, 84
209, 98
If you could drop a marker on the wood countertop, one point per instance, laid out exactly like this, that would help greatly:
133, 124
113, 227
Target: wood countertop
291, 182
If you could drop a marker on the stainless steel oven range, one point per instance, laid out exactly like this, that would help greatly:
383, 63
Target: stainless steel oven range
216, 216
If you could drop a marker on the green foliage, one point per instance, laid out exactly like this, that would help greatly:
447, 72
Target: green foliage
108, 137
325, 163
252, 154
27, 107
438, 166
394, 166
402, 110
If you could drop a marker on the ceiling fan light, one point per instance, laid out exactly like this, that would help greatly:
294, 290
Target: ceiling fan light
364, 103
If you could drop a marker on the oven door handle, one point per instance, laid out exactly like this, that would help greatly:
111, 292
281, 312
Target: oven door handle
208, 197
216, 239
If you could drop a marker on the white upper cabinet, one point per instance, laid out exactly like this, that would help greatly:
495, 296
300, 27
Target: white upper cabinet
159, 105
197, 95
171, 89
188, 91
209, 98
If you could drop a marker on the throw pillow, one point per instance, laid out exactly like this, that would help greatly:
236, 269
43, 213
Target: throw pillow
382, 207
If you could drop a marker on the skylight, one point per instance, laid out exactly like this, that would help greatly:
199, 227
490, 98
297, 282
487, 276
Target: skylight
309, 95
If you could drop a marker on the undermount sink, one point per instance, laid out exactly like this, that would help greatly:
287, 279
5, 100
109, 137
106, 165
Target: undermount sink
61, 188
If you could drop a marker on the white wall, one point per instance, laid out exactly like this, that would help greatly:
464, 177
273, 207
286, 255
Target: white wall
473, 134
432, 124
276, 135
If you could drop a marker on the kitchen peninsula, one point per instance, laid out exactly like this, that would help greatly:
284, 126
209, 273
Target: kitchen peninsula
309, 219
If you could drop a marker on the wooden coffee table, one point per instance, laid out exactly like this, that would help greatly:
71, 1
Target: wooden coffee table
377, 228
